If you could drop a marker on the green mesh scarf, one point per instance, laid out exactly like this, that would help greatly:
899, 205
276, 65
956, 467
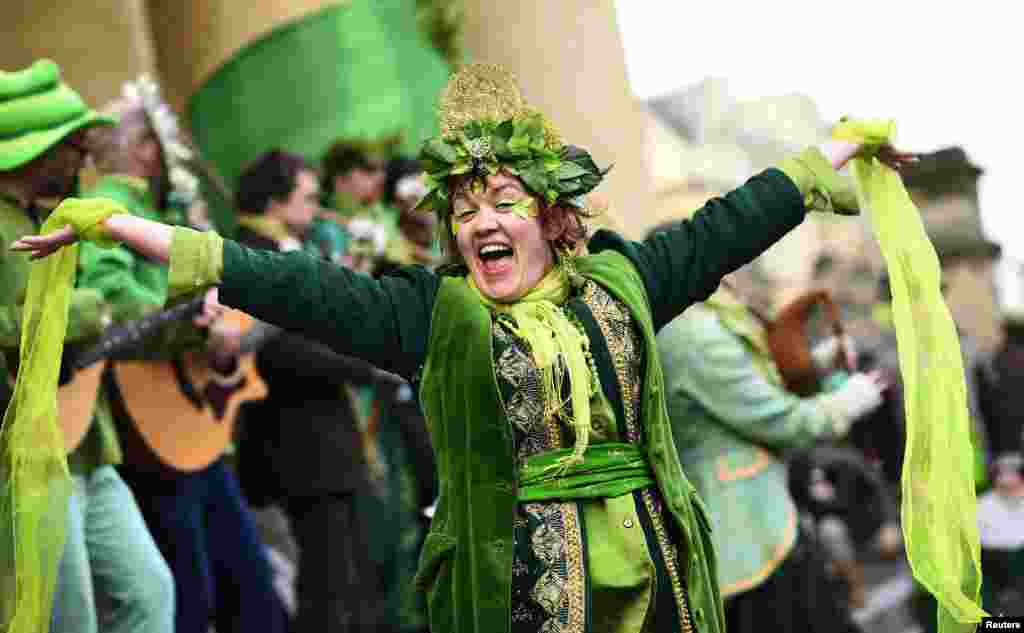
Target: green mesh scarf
939, 506
558, 348
36, 484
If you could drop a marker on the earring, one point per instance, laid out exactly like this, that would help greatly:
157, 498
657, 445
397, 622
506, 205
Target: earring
567, 259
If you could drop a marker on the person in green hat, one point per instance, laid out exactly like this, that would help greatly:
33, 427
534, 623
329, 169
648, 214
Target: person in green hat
109, 554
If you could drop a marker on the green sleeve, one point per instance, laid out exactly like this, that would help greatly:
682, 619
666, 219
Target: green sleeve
684, 265
9, 312
822, 187
118, 274
709, 367
9, 332
135, 287
88, 314
384, 321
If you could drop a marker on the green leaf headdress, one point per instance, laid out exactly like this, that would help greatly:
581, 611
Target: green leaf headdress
486, 126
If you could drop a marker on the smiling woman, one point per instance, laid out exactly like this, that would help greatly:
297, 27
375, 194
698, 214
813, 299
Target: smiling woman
563, 505
500, 237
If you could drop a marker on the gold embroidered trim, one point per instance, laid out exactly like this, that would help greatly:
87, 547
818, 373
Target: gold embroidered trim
616, 325
576, 569
624, 345
558, 541
671, 556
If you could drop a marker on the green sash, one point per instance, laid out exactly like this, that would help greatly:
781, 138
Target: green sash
607, 470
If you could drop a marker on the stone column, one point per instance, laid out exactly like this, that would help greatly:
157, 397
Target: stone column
569, 59
195, 37
99, 44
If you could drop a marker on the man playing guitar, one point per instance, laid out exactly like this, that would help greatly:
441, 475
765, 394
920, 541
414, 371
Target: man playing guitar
196, 515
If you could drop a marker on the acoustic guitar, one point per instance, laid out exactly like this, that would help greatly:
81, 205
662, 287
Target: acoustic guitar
76, 402
76, 399
183, 412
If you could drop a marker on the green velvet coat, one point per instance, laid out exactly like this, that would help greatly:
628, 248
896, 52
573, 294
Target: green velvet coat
467, 560
417, 323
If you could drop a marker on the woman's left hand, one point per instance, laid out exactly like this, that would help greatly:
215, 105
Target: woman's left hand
895, 158
39, 246
212, 309
840, 152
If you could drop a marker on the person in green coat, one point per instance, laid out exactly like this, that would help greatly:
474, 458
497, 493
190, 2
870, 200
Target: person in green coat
732, 418
563, 506
111, 570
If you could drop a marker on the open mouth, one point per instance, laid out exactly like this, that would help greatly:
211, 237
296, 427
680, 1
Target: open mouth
495, 258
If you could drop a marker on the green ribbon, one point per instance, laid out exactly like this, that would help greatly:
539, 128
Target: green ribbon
607, 470
939, 507
36, 483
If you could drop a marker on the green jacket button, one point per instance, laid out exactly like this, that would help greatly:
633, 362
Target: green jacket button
699, 613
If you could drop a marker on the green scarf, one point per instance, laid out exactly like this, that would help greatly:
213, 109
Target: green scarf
36, 481
939, 506
268, 227
559, 349
740, 321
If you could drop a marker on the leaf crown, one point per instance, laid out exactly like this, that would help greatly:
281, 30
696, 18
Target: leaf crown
485, 127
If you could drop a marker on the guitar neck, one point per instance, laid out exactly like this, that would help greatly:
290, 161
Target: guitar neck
255, 337
121, 339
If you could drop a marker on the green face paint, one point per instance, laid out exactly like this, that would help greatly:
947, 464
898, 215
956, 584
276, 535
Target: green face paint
525, 208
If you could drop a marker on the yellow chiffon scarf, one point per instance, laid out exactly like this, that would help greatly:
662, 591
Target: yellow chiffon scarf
558, 348
939, 508
35, 485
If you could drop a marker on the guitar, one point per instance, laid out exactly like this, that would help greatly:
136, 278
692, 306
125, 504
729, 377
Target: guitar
76, 399
76, 402
183, 412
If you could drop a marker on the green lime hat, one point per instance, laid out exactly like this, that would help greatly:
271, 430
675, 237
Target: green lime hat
37, 111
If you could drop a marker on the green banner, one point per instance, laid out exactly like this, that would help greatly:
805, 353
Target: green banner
361, 68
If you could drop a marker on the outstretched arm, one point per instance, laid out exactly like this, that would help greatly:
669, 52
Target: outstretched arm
685, 264
151, 239
385, 322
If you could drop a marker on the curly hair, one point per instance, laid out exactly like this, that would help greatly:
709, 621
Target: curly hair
272, 176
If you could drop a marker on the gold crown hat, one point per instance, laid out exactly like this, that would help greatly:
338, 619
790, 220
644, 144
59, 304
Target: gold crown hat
144, 94
487, 92
486, 124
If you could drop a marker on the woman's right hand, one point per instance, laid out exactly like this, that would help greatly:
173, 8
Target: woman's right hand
39, 246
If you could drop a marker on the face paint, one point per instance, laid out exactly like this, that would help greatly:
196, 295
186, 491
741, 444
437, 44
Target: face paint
525, 208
